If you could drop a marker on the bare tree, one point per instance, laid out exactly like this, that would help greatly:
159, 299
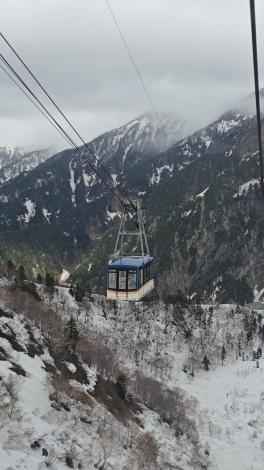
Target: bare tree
128, 441
105, 451
49, 461
147, 450
9, 399
95, 353
145, 455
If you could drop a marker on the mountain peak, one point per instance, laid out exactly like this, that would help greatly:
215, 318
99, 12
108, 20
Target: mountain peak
142, 135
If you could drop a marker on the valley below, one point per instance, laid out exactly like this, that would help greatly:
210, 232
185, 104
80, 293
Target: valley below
96, 384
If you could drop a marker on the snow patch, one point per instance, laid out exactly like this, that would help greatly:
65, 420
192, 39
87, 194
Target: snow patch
258, 294
113, 214
3, 198
225, 126
89, 180
126, 152
64, 276
72, 183
244, 188
202, 194
228, 153
89, 267
206, 140
31, 211
186, 213
155, 178
114, 176
46, 214
72, 368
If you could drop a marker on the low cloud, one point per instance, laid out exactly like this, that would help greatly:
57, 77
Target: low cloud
195, 58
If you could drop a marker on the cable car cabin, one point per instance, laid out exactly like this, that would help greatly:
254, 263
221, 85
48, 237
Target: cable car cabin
129, 278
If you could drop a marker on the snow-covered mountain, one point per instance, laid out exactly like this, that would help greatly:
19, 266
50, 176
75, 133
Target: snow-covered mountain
146, 135
201, 195
16, 160
65, 183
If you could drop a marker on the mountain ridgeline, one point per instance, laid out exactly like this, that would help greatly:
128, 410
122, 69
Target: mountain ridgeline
205, 216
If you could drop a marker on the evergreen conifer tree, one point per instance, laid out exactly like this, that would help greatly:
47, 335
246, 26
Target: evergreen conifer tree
79, 293
121, 385
10, 268
206, 362
31, 288
21, 274
39, 278
50, 283
71, 330
223, 354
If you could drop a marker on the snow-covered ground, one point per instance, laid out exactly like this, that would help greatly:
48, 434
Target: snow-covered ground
43, 426
230, 414
230, 397
219, 412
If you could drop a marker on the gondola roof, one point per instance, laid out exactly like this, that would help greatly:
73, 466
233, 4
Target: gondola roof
130, 262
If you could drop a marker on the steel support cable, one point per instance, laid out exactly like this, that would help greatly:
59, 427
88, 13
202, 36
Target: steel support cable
133, 61
113, 190
90, 150
33, 102
256, 79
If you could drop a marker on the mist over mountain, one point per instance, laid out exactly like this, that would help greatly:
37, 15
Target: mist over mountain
199, 194
248, 105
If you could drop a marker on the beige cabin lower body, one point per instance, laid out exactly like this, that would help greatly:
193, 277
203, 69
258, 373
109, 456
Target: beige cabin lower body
134, 295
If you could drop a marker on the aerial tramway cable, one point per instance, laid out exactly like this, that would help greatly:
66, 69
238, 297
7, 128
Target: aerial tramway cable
13, 71
143, 262
125, 202
144, 86
90, 150
33, 102
256, 79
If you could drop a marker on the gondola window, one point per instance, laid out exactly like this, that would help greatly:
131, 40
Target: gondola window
112, 279
132, 280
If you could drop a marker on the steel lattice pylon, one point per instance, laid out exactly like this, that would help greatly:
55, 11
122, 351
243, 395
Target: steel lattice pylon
139, 233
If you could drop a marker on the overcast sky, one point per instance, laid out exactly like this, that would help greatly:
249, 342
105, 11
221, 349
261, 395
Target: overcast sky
194, 55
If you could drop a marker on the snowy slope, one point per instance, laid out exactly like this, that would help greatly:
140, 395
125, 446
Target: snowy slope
16, 160
146, 134
218, 413
157, 341
225, 136
52, 414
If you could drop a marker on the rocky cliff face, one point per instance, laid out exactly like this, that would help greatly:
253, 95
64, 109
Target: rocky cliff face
215, 218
